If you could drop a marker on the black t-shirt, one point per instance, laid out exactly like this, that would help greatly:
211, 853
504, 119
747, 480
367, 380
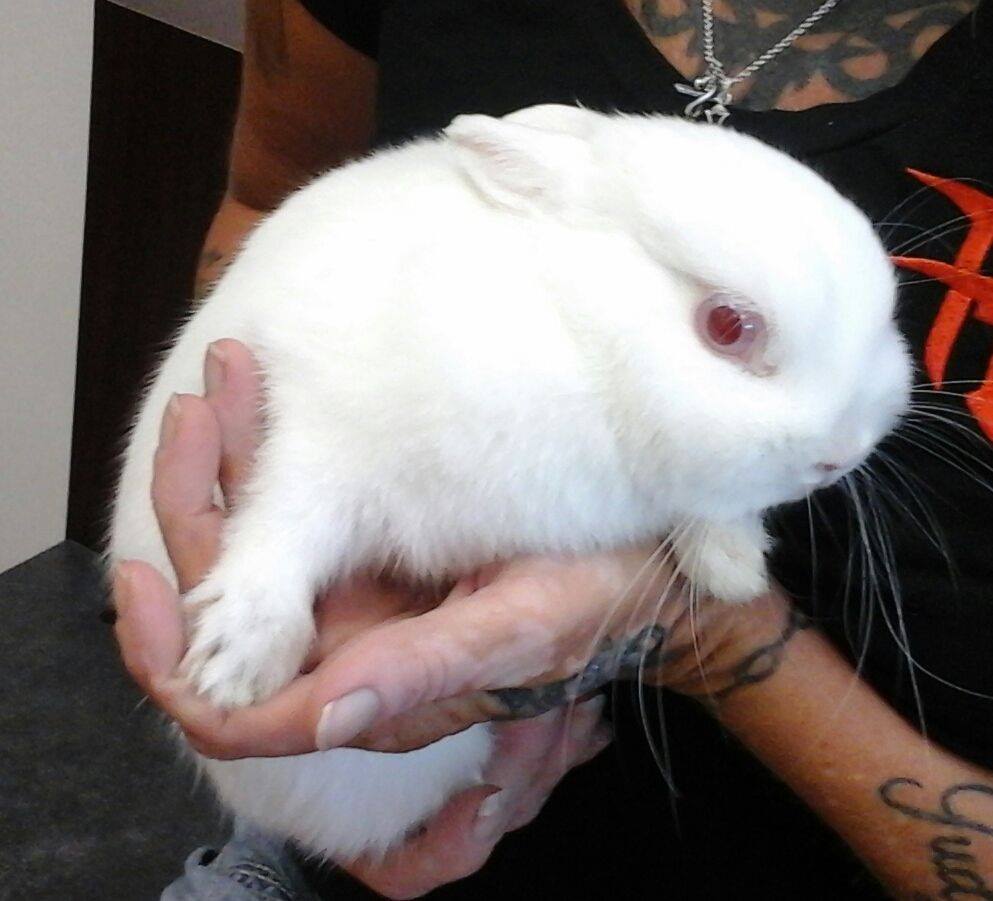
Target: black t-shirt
918, 158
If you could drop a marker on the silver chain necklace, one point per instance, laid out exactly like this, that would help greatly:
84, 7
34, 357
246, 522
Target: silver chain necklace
711, 92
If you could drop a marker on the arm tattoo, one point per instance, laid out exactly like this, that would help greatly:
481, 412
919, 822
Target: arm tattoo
861, 48
763, 662
648, 650
611, 661
953, 865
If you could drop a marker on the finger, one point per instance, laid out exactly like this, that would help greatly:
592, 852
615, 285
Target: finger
150, 633
184, 475
531, 803
500, 636
508, 632
424, 725
347, 608
286, 724
461, 837
470, 584
584, 735
523, 747
520, 753
447, 849
234, 392
149, 625
522, 629
530, 757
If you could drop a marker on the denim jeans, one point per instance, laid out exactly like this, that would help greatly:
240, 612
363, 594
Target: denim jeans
252, 866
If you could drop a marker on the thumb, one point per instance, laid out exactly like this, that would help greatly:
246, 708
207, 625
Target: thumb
149, 626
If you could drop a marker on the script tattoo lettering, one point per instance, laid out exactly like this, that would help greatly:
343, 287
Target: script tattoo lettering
857, 50
954, 866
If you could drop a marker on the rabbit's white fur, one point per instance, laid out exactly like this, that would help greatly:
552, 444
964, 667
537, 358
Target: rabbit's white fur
482, 345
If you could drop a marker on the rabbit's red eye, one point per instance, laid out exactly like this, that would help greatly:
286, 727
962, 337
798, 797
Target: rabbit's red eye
724, 325
731, 328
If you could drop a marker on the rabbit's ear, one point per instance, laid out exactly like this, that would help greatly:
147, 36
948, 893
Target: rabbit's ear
519, 166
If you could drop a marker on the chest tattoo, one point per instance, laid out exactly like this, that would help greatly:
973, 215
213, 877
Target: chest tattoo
857, 50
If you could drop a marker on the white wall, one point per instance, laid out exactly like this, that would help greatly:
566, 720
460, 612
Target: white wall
45, 66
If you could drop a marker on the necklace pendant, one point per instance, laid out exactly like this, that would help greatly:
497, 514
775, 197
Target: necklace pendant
711, 98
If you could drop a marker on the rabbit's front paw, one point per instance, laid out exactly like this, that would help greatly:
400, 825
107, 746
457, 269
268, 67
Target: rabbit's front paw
727, 560
247, 642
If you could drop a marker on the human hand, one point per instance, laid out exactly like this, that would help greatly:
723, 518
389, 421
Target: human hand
529, 758
205, 442
211, 439
561, 626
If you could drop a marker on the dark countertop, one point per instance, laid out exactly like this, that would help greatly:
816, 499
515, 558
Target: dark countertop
95, 802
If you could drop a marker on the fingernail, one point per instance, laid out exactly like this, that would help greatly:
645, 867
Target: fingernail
215, 369
170, 421
488, 825
490, 805
345, 718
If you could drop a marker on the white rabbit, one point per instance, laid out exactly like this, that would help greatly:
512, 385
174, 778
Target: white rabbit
554, 332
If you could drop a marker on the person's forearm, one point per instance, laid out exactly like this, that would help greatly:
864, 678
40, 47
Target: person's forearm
232, 224
919, 817
307, 104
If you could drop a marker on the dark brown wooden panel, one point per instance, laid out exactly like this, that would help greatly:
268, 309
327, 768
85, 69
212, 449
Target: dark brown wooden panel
162, 111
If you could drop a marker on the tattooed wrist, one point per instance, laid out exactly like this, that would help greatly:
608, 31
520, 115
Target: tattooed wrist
646, 656
755, 666
949, 850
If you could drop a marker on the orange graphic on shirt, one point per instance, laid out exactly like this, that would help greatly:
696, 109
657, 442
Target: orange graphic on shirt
970, 293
